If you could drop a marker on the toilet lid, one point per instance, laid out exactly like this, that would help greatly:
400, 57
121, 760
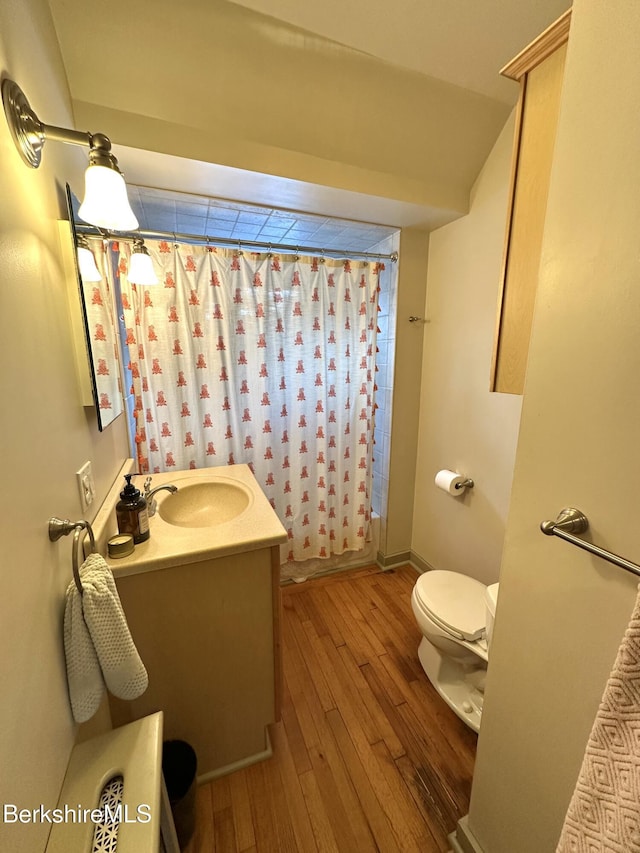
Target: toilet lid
456, 602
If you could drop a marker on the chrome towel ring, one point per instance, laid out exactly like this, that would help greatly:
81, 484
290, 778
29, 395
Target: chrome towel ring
59, 527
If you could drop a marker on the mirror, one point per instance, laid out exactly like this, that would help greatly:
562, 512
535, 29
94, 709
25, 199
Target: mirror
101, 338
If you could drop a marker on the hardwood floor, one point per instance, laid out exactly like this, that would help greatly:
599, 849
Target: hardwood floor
366, 756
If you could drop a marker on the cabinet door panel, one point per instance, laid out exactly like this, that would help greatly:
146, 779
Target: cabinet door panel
539, 116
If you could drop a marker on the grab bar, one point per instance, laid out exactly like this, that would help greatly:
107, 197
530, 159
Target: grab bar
572, 521
59, 527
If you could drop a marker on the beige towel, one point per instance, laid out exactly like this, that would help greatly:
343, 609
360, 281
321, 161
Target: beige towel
98, 646
604, 812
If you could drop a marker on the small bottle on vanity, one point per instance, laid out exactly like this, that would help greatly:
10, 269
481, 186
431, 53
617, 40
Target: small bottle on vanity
131, 513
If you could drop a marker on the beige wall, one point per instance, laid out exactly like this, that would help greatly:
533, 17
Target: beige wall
46, 434
402, 443
463, 426
562, 613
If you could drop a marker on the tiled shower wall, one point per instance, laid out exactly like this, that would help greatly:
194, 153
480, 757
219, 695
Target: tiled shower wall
387, 300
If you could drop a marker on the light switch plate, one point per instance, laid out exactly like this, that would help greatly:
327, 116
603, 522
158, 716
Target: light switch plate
86, 486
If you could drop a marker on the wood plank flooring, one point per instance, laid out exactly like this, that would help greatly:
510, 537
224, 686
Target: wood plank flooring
367, 756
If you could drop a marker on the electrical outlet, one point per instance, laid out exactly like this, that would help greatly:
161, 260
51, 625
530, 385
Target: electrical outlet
86, 486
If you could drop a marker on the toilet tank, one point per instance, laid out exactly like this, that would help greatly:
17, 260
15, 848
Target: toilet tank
491, 600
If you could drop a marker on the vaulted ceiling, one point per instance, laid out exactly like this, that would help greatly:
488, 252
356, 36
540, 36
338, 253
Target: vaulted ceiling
353, 108
464, 42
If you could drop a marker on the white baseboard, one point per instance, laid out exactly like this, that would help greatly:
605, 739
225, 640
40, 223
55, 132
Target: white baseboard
453, 841
238, 765
463, 840
419, 564
389, 561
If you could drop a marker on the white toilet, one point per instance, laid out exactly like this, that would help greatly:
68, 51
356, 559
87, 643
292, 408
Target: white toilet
455, 614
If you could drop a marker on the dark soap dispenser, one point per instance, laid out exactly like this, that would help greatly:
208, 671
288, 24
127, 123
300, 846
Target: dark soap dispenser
131, 513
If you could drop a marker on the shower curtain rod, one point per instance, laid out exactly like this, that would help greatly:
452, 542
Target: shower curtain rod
206, 240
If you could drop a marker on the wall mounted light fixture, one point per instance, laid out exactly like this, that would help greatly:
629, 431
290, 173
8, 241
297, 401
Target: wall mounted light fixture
86, 261
105, 204
140, 264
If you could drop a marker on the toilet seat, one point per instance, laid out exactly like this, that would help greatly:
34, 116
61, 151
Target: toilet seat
455, 602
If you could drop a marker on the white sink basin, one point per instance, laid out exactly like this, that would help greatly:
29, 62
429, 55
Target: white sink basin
205, 504
216, 512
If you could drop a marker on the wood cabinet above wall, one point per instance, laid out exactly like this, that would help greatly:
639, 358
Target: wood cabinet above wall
539, 69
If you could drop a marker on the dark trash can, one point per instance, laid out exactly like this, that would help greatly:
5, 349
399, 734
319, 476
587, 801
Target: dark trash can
179, 768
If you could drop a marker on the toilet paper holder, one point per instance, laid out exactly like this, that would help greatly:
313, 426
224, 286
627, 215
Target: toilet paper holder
465, 484
453, 482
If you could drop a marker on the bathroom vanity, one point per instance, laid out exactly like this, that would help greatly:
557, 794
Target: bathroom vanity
202, 599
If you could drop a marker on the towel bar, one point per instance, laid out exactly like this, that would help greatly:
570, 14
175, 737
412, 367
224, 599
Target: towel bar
59, 527
572, 521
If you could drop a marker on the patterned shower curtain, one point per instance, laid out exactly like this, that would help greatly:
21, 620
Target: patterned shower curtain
263, 359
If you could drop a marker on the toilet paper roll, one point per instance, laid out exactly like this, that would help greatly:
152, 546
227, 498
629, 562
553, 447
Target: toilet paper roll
447, 481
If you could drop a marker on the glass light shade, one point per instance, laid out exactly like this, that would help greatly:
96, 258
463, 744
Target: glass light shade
105, 200
87, 264
141, 269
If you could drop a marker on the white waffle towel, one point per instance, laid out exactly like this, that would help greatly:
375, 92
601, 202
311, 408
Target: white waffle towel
86, 685
98, 645
603, 815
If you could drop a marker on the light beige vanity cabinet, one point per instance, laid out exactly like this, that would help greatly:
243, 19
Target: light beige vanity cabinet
539, 69
208, 633
202, 600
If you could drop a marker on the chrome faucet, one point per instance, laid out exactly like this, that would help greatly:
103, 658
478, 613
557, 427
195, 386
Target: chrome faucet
152, 504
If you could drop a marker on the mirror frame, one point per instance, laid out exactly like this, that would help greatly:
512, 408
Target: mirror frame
118, 402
